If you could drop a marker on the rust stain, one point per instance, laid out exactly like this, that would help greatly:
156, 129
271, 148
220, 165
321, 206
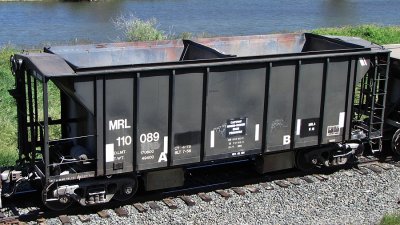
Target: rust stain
129, 53
256, 44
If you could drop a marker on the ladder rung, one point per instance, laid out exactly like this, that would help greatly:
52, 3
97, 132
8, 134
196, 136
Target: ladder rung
377, 106
376, 121
378, 118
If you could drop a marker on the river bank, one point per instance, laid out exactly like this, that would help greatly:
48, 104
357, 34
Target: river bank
38, 23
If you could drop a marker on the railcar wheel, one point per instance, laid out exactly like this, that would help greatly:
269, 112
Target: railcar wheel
396, 142
62, 203
127, 190
303, 163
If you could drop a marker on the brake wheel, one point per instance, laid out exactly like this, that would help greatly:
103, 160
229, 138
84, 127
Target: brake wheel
302, 163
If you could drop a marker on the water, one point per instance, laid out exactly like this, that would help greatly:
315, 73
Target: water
38, 23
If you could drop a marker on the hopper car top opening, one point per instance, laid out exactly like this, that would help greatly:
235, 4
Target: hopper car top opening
168, 51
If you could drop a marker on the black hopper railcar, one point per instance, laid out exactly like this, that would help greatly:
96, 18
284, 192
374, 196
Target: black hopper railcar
94, 119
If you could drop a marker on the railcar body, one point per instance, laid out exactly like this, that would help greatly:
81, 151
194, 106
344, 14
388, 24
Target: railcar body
392, 111
148, 110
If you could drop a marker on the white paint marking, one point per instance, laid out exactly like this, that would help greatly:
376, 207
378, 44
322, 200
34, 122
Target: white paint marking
165, 144
109, 152
212, 139
341, 119
298, 126
286, 139
363, 62
163, 155
257, 135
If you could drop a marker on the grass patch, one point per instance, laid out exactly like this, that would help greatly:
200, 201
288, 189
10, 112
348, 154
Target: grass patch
135, 29
371, 32
8, 111
390, 219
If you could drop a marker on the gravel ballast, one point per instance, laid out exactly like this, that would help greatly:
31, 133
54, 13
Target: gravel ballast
345, 198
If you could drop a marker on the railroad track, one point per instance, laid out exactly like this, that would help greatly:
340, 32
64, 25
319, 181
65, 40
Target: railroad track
225, 181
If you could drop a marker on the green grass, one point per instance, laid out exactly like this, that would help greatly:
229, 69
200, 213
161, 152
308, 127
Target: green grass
8, 112
371, 32
135, 29
390, 219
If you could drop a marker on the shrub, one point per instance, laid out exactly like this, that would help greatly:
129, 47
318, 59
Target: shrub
135, 29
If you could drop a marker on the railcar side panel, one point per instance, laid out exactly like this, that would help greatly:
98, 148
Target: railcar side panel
308, 103
234, 113
186, 117
152, 121
118, 125
280, 105
335, 100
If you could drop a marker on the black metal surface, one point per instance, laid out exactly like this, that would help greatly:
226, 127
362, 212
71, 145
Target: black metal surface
280, 101
335, 100
46, 65
118, 125
152, 124
308, 103
46, 131
234, 112
187, 118
195, 51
